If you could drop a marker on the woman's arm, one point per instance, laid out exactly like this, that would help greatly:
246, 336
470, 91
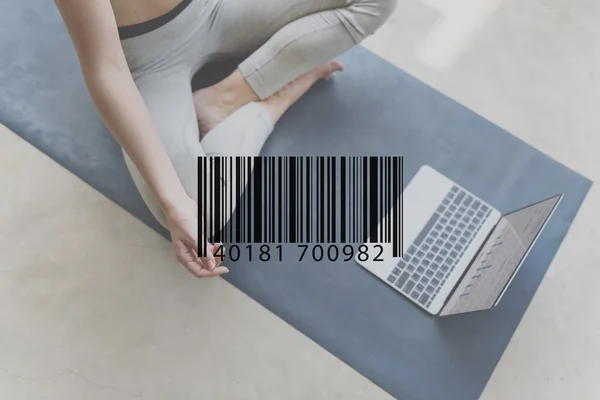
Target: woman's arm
93, 29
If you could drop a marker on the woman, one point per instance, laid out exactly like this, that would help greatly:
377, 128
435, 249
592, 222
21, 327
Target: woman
138, 58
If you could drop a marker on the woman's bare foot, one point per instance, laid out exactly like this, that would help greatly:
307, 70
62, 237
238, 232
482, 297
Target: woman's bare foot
217, 102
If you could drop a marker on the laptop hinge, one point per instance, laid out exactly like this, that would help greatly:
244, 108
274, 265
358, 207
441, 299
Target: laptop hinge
447, 299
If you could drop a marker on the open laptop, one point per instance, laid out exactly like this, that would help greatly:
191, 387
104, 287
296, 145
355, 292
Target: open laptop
460, 254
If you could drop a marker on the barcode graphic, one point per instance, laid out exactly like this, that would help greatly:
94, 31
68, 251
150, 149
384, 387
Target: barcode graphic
301, 200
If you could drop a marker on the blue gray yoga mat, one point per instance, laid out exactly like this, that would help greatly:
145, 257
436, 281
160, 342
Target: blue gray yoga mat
372, 109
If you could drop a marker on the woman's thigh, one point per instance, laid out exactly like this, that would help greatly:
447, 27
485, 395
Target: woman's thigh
243, 26
284, 39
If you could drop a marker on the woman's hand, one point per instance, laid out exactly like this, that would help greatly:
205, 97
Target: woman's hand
183, 224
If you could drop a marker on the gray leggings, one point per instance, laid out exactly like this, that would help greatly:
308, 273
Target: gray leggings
287, 37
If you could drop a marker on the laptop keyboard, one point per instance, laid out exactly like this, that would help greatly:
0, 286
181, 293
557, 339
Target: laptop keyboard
431, 258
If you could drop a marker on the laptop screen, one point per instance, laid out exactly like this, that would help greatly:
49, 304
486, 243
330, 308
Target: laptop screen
499, 259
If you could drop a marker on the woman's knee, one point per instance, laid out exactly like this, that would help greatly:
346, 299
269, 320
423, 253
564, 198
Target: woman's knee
374, 13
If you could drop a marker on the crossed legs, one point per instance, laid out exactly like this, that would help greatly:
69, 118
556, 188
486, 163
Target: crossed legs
291, 44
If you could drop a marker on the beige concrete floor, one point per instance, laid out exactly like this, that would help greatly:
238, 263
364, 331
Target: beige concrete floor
94, 307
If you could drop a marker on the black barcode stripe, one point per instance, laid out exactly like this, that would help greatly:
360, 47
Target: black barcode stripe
293, 199
242, 199
269, 204
397, 243
217, 209
387, 199
384, 198
201, 206
211, 191
400, 239
243, 202
279, 199
307, 200
239, 198
354, 205
322, 201
362, 195
379, 188
299, 199
356, 197
241, 189
274, 201
261, 202
209, 202
332, 199
248, 202
226, 196
267, 201
258, 201
306, 185
328, 198
206, 208
315, 201
266, 194
305, 215
286, 207
290, 207
381, 195
373, 206
343, 199
324, 180
287, 199
257, 237
229, 202
302, 211
352, 208
365, 194
395, 197
390, 200
243, 194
